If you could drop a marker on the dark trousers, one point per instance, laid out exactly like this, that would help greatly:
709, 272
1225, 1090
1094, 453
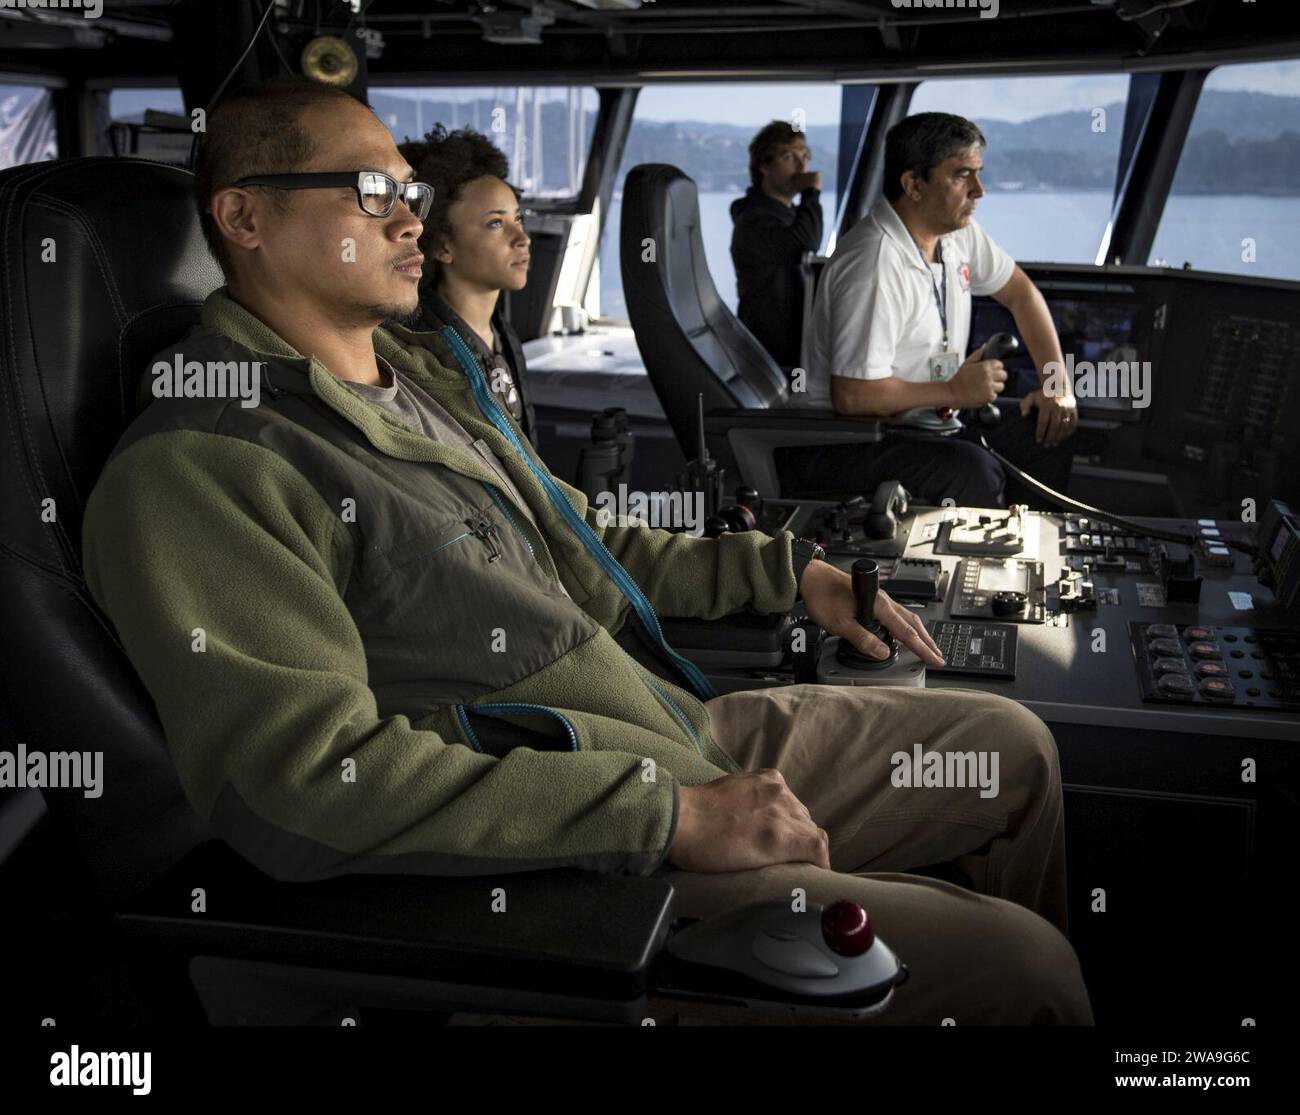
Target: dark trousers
933, 467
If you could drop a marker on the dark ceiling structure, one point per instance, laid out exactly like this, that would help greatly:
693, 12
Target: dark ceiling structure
633, 41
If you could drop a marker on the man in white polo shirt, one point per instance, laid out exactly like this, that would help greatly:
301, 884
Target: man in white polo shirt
889, 330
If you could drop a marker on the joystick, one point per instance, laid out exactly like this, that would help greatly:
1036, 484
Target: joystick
841, 663
998, 347
866, 583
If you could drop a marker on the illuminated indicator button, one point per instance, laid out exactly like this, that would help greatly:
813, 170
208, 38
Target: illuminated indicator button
1210, 670
1205, 651
1180, 685
1168, 666
1218, 689
1166, 647
1162, 631
1197, 633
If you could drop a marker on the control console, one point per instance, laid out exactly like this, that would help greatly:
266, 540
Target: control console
1000, 588
985, 650
1192, 664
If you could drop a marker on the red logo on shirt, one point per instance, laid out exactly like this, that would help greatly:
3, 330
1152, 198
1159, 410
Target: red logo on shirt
965, 277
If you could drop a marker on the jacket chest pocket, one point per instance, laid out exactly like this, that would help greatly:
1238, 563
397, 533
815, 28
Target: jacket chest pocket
473, 536
460, 608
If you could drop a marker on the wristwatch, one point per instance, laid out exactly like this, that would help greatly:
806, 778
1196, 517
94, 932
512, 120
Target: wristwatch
802, 551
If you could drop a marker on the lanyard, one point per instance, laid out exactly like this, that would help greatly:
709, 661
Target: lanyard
941, 301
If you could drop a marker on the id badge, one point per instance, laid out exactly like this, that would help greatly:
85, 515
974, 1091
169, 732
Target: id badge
943, 366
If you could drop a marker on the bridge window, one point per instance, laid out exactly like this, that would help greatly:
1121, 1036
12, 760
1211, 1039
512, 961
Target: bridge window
131, 130
705, 131
1051, 161
1235, 201
545, 131
27, 129
128, 106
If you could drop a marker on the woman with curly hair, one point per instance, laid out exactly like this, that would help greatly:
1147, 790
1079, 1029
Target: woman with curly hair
474, 247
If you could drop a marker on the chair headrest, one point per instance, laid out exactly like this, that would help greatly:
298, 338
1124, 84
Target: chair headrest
690, 341
103, 264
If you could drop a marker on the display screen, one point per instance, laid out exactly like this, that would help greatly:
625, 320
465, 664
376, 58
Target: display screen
1003, 578
1092, 331
1097, 330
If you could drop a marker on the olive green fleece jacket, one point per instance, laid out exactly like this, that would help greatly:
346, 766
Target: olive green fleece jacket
358, 645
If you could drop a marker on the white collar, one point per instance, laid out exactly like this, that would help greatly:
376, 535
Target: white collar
889, 220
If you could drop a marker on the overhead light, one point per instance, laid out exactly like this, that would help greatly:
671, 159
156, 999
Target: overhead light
611, 5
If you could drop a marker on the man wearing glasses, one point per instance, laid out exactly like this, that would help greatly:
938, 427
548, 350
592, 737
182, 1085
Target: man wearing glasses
771, 235
382, 637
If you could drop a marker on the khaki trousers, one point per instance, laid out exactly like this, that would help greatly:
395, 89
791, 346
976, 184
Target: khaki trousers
993, 954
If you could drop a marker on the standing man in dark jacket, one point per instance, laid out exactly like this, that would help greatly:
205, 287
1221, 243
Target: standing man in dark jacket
771, 235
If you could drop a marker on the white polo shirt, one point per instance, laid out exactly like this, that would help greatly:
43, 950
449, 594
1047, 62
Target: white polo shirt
875, 313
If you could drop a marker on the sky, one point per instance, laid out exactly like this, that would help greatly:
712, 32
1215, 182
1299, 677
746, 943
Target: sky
1009, 99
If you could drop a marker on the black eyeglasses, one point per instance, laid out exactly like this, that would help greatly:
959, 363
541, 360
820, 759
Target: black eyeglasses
377, 192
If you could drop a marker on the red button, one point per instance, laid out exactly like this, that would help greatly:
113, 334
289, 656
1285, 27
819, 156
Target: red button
846, 928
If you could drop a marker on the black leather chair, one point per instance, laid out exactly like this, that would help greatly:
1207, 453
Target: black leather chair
692, 344
103, 264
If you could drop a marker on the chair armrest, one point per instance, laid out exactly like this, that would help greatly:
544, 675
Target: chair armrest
741, 631
810, 419
742, 640
571, 931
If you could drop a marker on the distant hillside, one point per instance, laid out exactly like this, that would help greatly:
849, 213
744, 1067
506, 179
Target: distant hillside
717, 155
1245, 143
